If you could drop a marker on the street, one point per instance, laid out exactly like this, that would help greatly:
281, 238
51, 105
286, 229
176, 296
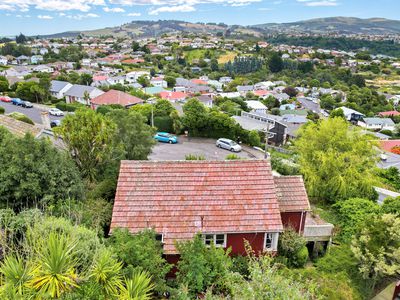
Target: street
32, 113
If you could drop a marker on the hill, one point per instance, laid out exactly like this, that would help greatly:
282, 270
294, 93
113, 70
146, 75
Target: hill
337, 24
321, 25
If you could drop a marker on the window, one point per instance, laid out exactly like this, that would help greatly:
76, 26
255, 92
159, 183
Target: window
160, 238
271, 241
219, 240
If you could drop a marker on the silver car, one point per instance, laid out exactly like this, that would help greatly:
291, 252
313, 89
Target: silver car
228, 145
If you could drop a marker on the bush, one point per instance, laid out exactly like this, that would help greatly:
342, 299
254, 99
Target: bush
232, 156
163, 124
292, 246
21, 117
70, 107
194, 157
2, 110
284, 168
387, 132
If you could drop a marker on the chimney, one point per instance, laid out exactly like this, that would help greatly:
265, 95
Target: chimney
45, 119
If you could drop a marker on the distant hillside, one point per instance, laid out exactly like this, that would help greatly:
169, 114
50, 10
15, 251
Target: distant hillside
322, 25
337, 24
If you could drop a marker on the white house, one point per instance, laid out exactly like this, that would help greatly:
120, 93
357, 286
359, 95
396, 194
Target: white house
3, 60
158, 81
82, 94
58, 88
132, 77
377, 123
43, 69
256, 106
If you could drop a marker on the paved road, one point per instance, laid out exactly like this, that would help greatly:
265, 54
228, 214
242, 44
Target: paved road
32, 113
204, 147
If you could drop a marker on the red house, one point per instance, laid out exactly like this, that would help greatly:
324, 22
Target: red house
115, 97
226, 201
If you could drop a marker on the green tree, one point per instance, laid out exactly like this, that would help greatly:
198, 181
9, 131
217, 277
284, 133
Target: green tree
195, 118
171, 81
141, 252
133, 134
89, 137
337, 161
351, 213
201, 267
163, 108
275, 63
293, 248
86, 79
377, 247
33, 171
4, 85
391, 205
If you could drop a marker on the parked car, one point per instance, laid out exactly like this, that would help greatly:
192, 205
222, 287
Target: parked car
26, 104
228, 145
56, 112
16, 101
55, 123
5, 99
166, 137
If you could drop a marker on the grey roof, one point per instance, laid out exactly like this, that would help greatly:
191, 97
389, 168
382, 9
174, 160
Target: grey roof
378, 121
245, 88
78, 90
57, 85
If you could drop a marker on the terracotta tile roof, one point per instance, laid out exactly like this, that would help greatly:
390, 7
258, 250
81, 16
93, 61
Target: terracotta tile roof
19, 128
116, 97
388, 145
181, 198
389, 113
291, 193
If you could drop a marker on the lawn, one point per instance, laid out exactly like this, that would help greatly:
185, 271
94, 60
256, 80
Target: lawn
228, 56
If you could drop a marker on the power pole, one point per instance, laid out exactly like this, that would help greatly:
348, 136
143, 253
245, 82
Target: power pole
152, 115
266, 141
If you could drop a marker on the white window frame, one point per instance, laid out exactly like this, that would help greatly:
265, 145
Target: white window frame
214, 239
162, 237
274, 242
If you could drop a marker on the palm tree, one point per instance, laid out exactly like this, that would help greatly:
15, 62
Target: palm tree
106, 272
16, 275
139, 287
54, 271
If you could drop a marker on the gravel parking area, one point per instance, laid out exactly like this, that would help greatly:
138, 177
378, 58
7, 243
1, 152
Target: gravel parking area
197, 146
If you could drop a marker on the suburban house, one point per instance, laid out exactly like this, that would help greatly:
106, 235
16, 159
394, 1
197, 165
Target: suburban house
35, 59
391, 113
3, 60
351, 115
377, 123
173, 96
158, 81
43, 69
132, 77
207, 100
82, 94
256, 106
115, 97
227, 202
58, 88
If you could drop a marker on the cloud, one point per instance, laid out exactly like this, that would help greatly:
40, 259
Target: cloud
45, 17
114, 9
181, 3
172, 9
313, 3
50, 5
264, 9
134, 14
82, 16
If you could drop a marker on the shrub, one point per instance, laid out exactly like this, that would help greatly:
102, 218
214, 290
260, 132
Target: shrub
232, 156
292, 246
21, 117
194, 157
387, 132
2, 110
163, 123
71, 107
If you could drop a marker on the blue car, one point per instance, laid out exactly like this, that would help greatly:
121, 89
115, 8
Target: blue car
166, 137
17, 101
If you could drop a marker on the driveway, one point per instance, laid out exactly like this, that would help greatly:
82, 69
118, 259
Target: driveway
32, 113
198, 146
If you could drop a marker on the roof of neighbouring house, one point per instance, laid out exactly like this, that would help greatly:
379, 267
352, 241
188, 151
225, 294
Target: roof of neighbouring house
180, 198
116, 97
378, 121
389, 113
78, 90
388, 145
57, 85
292, 195
172, 95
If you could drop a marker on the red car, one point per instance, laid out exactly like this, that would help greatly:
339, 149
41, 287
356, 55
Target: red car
5, 99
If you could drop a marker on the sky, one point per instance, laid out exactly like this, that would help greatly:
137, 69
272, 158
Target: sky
33, 17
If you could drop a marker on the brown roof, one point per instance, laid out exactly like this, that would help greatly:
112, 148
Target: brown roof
19, 128
292, 194
181, 198
116, 97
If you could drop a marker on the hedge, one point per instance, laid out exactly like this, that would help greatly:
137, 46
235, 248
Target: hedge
69, 106
2, 110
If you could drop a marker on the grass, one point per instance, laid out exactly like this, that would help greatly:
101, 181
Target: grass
195, 54
228, 56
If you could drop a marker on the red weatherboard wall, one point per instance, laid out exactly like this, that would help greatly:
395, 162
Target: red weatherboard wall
293, 219
236, 242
